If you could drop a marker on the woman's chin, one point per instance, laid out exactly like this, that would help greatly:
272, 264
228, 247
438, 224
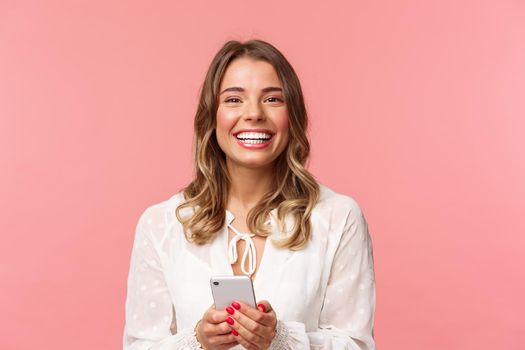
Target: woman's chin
253, 163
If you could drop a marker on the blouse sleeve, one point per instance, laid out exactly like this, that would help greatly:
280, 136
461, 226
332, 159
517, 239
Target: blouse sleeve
347, 315
150, 323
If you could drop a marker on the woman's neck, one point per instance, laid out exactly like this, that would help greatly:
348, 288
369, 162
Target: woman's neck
248, 186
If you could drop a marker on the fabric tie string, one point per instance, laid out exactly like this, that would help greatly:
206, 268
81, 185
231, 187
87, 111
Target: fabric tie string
250, 253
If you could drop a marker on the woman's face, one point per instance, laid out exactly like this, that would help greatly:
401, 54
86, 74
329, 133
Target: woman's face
252, 118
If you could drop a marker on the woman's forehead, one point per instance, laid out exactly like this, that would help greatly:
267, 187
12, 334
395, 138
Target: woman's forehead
248, 73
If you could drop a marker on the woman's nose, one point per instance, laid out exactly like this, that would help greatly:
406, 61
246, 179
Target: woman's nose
253, 111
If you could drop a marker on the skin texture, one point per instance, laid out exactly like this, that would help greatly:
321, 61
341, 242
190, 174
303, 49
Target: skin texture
213, 332
255, 327
252, 108
251, 171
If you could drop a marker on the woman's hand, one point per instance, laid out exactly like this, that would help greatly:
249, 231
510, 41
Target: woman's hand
213, 332
253, 328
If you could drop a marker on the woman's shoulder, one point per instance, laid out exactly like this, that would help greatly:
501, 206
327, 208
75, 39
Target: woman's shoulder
160, 213
338, 213
336, 203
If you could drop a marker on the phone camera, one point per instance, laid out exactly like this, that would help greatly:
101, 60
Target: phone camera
216, 283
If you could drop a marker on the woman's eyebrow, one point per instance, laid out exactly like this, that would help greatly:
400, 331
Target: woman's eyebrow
233, 88
240, 89
271, 88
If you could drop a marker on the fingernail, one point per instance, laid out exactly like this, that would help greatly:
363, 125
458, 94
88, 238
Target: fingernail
230, 310
236, 305
262, 307
230, 320
234, 332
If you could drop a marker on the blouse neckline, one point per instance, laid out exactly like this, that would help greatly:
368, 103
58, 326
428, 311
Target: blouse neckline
272, 257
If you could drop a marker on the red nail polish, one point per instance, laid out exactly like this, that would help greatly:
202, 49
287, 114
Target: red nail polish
230, 310
230, 320
262, 307
234, 332
236, 305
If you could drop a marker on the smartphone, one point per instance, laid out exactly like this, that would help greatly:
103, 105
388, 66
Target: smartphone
226, 289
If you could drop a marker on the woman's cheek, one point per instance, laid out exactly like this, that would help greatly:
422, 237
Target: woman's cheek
282, 123
225, 123
227, 115
282, 119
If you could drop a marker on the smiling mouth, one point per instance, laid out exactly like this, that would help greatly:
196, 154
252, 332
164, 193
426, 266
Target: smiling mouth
253, 141
253, 137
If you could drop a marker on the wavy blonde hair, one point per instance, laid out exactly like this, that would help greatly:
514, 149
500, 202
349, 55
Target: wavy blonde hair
295, 191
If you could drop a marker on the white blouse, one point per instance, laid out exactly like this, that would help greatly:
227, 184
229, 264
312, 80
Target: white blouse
324, 295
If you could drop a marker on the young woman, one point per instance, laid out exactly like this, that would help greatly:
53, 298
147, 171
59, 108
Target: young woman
253, 209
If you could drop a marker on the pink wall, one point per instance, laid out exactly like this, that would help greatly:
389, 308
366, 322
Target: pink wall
417, 111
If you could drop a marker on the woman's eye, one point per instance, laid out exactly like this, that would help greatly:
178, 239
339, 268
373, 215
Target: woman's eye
274, 99
233, 99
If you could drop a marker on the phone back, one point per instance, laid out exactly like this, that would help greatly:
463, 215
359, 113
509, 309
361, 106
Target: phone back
226, 289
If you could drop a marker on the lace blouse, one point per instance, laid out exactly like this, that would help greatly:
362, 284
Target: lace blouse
324, 295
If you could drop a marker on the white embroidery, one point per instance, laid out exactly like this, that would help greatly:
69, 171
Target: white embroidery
279, 342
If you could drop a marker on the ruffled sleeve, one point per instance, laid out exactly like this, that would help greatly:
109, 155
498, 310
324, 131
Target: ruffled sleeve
290, 335
149, 311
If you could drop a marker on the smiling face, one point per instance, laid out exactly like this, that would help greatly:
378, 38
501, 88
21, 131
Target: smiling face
252, 117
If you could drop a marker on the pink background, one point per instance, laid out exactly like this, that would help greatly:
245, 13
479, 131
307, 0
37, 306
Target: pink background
417, 111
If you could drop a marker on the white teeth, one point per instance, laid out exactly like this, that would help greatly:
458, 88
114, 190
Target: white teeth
254, 136
253, 142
